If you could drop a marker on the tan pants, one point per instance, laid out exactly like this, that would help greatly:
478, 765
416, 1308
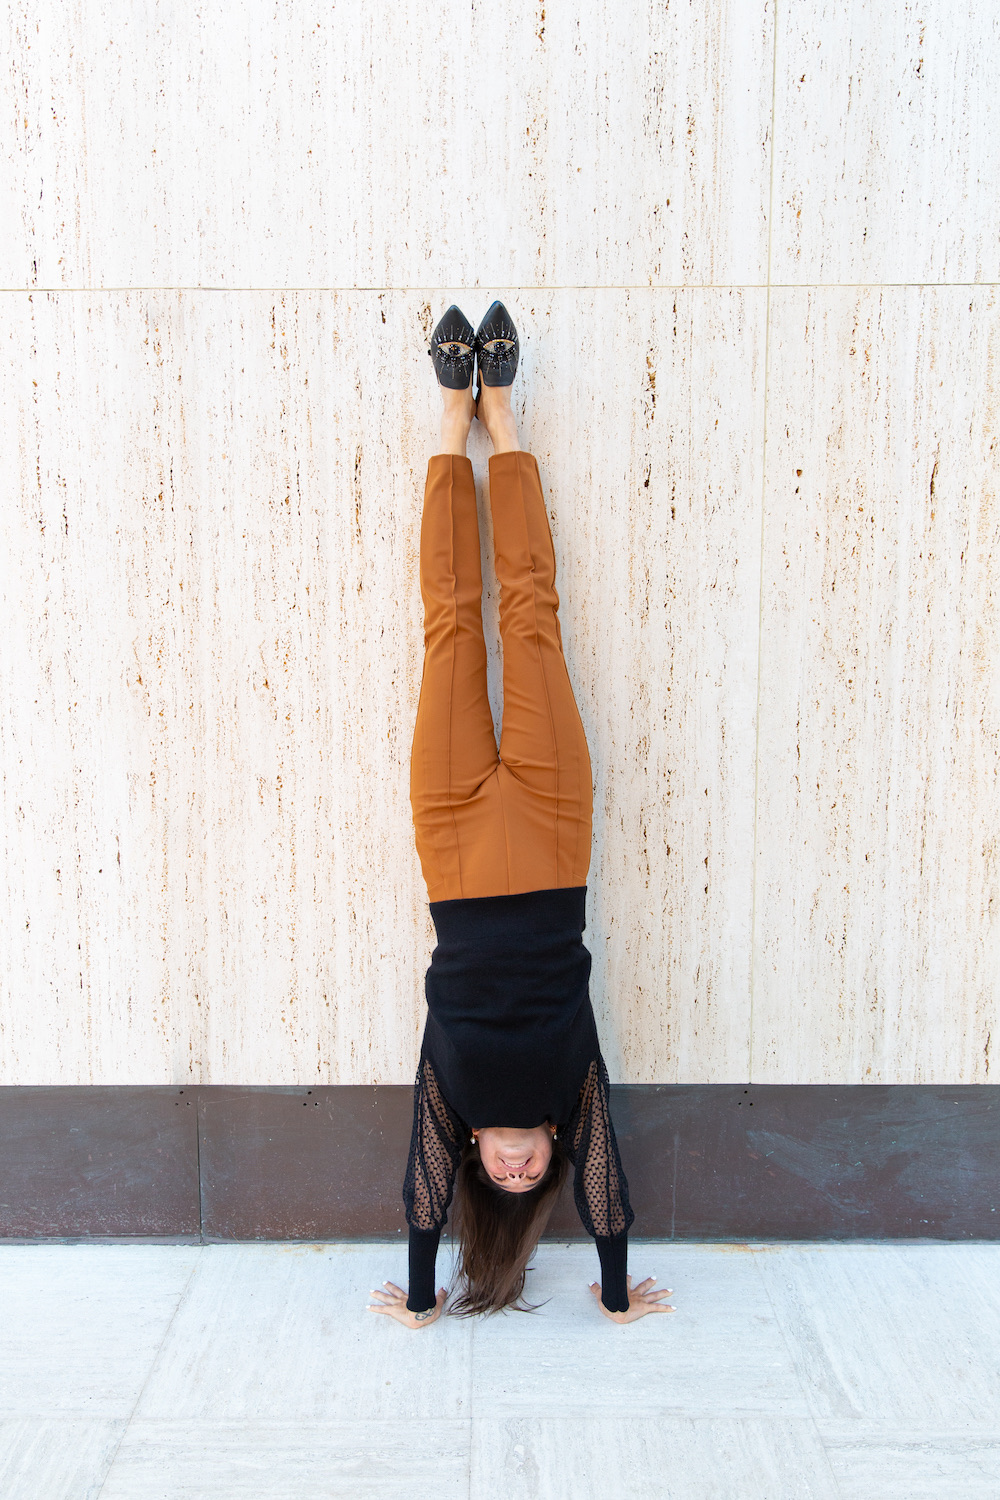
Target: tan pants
490, 824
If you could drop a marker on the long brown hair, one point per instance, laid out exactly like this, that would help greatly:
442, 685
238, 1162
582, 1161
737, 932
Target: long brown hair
497, 1233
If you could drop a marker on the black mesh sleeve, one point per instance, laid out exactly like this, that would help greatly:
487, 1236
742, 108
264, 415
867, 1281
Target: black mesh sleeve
435, 1151
600, 1189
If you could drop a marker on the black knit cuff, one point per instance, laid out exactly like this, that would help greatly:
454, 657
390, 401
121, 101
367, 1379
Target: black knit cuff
423, 1255
613, 1251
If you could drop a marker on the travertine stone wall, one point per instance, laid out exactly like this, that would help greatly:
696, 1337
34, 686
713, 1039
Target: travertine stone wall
753, 252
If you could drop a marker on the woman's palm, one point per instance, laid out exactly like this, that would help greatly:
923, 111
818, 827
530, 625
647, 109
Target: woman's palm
393, 1303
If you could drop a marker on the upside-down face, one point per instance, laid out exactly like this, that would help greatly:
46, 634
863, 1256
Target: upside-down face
515, 1160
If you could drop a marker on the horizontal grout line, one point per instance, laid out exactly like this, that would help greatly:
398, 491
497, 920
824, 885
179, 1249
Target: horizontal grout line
680, 286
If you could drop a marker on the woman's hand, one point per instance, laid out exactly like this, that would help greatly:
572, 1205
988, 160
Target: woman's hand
393, 1304
641, 1300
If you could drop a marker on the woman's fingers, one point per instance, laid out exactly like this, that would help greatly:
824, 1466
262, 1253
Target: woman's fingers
649, 1289
388, 1301
642, 1299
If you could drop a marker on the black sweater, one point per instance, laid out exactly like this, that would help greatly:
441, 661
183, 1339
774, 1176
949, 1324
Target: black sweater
510, 1040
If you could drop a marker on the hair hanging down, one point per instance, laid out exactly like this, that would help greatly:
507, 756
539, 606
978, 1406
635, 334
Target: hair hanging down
497, 1233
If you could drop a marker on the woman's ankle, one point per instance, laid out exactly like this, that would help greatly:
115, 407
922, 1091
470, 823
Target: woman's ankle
454, 434
497, 416
502, 428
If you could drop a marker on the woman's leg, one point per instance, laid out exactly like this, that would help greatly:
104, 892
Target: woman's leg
453, 792
545, 773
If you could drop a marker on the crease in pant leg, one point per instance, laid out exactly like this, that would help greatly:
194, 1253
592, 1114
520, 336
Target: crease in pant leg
432, 701
506, 824
523, 550
575, 784
519, 588
454, 749
538, 657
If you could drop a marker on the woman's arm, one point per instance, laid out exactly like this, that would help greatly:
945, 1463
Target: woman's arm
435, 1151
600, 1190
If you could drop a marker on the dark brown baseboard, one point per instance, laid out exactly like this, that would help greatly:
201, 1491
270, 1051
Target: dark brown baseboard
722, 1161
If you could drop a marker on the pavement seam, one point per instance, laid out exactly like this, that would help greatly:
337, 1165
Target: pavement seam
185, 1290
755, 1257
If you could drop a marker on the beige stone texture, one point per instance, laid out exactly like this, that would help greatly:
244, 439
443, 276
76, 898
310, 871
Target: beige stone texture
878, 810
739, 242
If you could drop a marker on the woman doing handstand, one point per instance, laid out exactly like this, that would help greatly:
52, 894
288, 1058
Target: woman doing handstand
511, 1088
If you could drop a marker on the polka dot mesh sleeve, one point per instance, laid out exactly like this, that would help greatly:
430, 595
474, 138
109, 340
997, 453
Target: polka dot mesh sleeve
600, 1189
435, 1151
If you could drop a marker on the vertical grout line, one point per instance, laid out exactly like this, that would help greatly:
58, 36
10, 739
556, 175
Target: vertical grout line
760, 576
673, 1187
197, 1164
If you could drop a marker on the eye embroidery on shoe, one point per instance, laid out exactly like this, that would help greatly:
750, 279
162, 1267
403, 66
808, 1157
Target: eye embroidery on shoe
497, 353
453, 355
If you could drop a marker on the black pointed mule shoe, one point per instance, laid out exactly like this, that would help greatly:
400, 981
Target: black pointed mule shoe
497, 347
453, 350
